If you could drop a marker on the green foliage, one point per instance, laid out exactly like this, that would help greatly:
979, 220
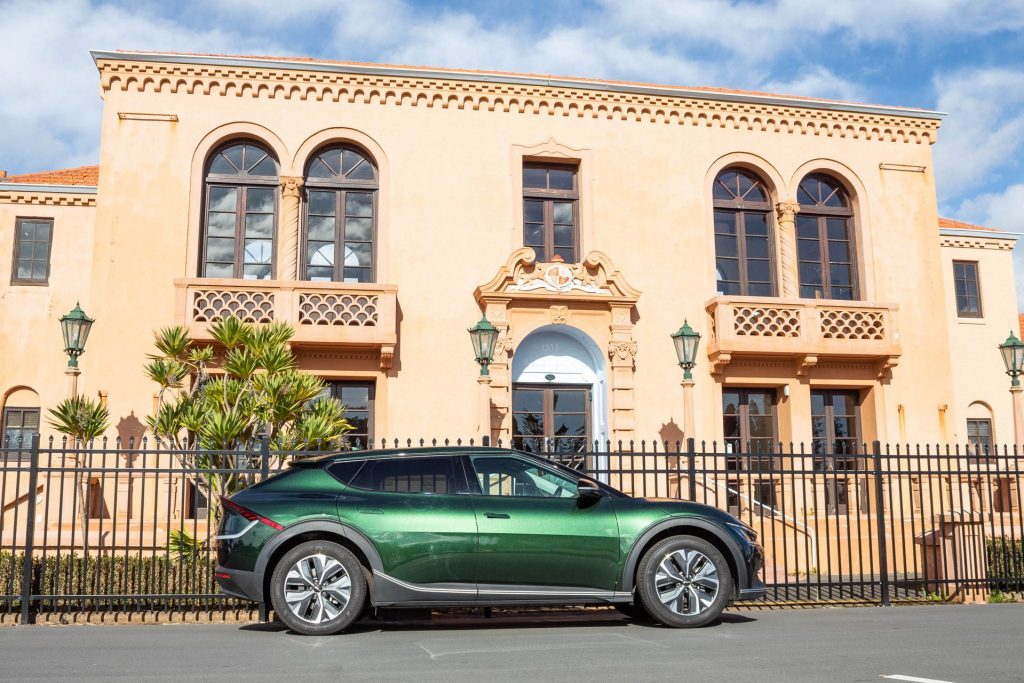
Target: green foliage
81, 418
1005, 561
998, 597
74, 574
210, 410
183, 546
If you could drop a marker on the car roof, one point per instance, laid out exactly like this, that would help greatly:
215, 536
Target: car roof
402, 452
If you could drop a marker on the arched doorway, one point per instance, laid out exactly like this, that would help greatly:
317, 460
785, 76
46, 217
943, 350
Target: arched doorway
559, 391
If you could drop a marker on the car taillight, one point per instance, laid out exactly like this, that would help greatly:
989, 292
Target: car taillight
249, 514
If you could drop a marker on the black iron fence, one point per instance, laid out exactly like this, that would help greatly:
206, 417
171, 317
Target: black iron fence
126, 527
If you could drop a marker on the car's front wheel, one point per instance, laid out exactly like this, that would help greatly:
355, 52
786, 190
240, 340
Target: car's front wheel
684, 581
318, 588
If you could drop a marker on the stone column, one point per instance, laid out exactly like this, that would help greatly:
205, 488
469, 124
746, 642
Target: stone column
1017, 396
688, 420
288, 229
622, 350
786, 213
484, 428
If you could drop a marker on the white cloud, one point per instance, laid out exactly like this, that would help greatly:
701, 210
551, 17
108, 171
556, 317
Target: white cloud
49, 100
818, 81
984, 129
762, 29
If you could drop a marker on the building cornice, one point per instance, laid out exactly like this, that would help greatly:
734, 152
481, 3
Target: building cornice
47, 195
432, 88
973, 239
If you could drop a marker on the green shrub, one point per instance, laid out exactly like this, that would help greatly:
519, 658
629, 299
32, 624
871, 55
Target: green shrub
1005, 560
111, 577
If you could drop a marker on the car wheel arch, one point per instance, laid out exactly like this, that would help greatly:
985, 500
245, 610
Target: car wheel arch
335, 532
710, 532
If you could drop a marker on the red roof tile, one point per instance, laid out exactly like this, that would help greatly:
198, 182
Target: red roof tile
513, 74
83, 175
951, 224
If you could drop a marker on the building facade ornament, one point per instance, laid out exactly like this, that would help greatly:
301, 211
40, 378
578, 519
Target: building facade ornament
291, 195
591, 295
283, 82
786, 212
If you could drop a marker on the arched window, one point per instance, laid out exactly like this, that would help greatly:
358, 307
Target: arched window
743, 244
241, 213
824, 231
340, 221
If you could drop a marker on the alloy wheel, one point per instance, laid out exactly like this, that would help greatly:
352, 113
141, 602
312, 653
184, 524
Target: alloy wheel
317, 588
686, 582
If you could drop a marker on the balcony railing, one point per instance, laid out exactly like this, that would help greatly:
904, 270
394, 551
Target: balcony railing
805, 329
319, 312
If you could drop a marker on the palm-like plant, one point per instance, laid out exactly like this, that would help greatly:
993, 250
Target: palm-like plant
210, 411
84, 420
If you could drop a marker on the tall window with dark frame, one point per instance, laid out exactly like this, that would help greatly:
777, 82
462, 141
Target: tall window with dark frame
743, 244
979, 436
968, 291
750, 428
339, 229
836, 437
19, 424
33, 238
358, 399
550, 418
825, 244
551, 211
241, 213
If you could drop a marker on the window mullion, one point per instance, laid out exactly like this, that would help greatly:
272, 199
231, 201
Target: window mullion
741, 251
549, 228
239, 232
339, 236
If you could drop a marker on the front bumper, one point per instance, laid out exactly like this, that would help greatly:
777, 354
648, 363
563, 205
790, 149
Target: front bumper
755, 563
238, 583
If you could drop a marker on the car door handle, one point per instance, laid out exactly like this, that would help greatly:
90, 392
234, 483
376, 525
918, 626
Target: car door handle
496, 515
371, 511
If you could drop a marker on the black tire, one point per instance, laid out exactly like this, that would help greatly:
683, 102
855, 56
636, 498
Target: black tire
693, 604
325, 613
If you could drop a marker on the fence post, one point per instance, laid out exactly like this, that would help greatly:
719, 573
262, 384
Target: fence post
883, 552
691, 467
264, 457
27, 613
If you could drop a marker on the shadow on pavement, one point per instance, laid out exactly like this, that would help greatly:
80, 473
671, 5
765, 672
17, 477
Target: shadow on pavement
447, 621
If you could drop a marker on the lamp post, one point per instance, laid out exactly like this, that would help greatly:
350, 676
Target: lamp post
1013, 358
484, 337
686, 340
75, 327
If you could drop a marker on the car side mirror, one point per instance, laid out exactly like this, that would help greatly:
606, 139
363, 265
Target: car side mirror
588, 489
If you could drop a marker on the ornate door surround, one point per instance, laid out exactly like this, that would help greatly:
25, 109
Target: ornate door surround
592, 296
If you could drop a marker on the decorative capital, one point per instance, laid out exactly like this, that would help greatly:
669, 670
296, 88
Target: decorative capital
291, 186
623, 350
387, 356
787, 211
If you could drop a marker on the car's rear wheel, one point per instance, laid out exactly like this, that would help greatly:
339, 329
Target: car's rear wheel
684, 581
318, 588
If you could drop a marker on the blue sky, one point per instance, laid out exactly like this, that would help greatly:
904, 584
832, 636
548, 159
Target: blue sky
964, 57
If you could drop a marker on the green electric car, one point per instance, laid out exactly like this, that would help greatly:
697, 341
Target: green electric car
333, 536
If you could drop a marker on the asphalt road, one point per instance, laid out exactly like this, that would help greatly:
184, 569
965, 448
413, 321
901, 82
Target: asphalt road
944, 643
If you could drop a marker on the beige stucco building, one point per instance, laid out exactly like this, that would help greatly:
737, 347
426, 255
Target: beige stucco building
380, 209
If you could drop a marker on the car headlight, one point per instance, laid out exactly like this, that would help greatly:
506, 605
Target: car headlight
744, 531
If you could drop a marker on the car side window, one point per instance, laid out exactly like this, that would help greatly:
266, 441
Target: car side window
510, 476
409, 475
